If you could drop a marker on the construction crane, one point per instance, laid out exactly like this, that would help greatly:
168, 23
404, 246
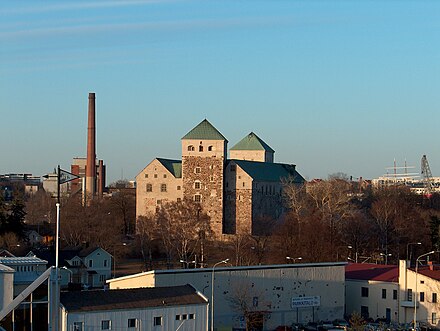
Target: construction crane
426, 177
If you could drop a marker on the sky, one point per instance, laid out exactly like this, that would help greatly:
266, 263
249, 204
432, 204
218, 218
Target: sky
331, 86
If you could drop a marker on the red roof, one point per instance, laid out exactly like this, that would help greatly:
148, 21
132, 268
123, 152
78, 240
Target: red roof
369, 271
434, 274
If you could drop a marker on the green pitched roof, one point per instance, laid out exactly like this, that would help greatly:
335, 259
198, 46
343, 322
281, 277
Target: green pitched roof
269, 172
173, 166
252, 143
204, 130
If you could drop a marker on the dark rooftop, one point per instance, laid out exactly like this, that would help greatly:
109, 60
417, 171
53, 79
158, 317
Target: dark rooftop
131, 298
369, 271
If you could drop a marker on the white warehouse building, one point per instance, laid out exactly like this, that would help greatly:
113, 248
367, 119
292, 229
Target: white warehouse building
278, 294
161, 308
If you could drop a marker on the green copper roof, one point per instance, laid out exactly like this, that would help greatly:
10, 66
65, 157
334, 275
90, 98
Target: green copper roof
252, 143
269, 172
204, 130
173, 166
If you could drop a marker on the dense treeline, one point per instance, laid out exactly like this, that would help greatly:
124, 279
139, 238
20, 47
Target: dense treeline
327, 220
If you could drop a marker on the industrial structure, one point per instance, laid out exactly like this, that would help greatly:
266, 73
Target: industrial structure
90, 169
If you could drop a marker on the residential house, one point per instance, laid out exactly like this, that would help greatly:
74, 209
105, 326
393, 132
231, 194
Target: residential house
90, 267
373, 291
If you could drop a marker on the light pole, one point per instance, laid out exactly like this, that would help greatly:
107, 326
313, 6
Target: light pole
187, 263
355, 253
114, 258
407, 251
415, 297
212, 292
337, 250
386, 256
293, 258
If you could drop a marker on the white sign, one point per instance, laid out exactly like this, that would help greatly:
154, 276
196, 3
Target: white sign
299, 302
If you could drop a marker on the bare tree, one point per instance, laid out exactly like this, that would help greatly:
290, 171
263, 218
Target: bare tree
181, 225
249, 302
145, 230
332, 202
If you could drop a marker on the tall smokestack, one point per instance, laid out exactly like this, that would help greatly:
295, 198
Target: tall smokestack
91, 149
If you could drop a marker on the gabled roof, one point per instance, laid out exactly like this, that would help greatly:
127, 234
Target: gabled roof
131, 298
173, 166
269, 172
252, 143
369, 271
204, 130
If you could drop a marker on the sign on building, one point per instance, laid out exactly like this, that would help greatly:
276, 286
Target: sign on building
298, 302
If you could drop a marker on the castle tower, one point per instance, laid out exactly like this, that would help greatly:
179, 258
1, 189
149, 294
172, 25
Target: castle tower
252, 148
203, 161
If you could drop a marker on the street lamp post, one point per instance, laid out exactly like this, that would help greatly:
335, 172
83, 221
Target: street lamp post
355, 253
114, 258
407, 251
188, 262
386, 256
293, 258
212, 292
415, 297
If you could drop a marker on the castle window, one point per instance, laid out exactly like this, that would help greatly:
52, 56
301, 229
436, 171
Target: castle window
210, 148
164, 175
198, 170
190, 148
155, 175
149, 188
200, 148
197, 185
163, 187
244, 184
211, 178
146, 175
197, 198
178, 187
233, 167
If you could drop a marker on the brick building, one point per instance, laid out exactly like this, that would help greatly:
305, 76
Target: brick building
235, 193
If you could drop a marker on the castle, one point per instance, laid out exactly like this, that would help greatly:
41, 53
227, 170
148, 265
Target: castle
236, 193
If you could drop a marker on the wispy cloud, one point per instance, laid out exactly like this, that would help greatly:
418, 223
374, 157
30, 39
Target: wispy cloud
159, 26
53, 7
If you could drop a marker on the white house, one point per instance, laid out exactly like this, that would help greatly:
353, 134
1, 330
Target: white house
426, 291
372, 290
275, 294
160, 308
89, 266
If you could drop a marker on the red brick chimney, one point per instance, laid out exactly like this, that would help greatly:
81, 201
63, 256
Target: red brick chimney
91, 150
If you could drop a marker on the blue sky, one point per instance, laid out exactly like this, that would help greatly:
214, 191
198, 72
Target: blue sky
330, 85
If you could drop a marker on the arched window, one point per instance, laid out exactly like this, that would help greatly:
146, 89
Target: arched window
190, 148
197, 185
200, 148
210, 148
